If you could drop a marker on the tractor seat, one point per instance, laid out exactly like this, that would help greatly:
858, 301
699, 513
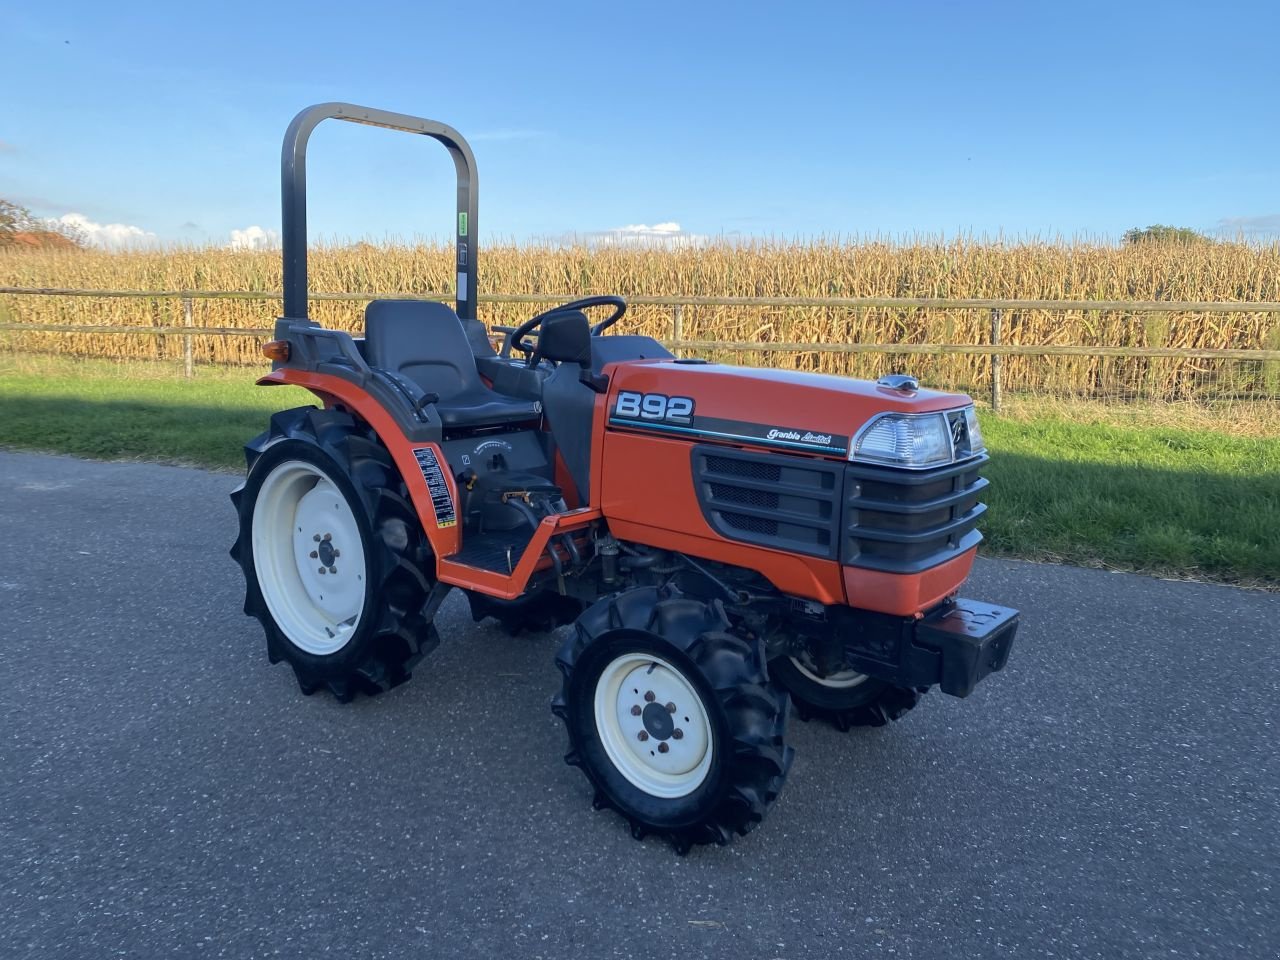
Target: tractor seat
424, 342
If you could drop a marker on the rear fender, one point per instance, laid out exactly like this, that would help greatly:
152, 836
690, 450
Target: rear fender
421, 464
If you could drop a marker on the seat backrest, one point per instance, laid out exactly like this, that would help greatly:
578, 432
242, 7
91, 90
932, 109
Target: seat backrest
424, 341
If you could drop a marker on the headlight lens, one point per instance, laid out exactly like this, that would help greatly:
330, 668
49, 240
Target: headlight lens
920, 439
976, 443
905, 440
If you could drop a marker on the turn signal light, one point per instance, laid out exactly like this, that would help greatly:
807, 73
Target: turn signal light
277, 350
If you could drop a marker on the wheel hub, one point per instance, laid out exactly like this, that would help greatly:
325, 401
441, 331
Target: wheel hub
837, 676
657, 721
327, 553
653, 725
323, 521
309, 557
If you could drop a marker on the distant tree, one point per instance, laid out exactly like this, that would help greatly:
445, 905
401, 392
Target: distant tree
1162, 233
13, 220
18, 228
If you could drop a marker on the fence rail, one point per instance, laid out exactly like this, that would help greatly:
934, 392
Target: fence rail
995, 348
941, 303
967, 349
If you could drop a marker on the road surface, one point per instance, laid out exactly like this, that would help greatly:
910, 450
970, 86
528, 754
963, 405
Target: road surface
164, 792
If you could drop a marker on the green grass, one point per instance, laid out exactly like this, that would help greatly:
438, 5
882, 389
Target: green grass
1093, 490
1159, 499
113, 411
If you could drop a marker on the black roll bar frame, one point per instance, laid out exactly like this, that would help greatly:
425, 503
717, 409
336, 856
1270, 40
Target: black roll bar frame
293, 197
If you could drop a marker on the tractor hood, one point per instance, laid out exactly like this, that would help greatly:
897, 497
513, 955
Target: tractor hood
778, 409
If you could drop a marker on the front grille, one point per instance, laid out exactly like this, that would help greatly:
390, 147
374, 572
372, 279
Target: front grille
907, 521
741, 521
774, 500
750, 469
881, 518
744, 495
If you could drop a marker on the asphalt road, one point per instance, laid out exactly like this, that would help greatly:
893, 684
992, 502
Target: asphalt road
165, 793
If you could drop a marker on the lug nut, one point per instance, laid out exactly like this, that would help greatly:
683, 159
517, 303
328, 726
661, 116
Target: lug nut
337, 552
642, 736
649, 696
677, 734
671, 708
328, 536
314, 554
662, 747
315, 537
323, 571
636, 711
333, 569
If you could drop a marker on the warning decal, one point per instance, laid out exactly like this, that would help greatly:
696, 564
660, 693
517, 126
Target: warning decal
436, 485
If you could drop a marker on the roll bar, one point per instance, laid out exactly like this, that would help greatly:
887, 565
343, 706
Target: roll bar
293, 197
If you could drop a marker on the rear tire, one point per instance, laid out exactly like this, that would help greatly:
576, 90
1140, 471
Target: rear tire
845, 699
322, 494
671, 717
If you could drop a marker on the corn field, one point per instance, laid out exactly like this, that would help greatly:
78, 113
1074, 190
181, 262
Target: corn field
962, 269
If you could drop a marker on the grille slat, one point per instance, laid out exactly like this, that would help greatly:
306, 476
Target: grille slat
773, 500
751, 524
744, 495
898, 521
905, 522
751, 469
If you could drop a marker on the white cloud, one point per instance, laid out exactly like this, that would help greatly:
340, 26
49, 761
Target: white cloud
666, 234
105, 234
253, 238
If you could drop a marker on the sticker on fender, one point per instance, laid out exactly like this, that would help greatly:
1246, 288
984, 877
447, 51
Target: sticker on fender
436, 486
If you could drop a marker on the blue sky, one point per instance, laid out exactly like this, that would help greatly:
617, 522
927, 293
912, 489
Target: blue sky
795, 120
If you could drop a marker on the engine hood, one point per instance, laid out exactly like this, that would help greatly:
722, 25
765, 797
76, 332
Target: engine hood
779, 409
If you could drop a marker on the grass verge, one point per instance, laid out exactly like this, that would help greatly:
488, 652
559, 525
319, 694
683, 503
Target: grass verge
1099, 487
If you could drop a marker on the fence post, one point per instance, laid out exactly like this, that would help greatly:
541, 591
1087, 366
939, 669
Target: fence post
187, 364
677, 327
997, 389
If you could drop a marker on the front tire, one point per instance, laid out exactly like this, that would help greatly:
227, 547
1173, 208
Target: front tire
844, 698
672, 717
336, 567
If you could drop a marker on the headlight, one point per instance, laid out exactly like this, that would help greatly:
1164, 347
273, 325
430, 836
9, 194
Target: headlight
976, 444
905, 440
916, 440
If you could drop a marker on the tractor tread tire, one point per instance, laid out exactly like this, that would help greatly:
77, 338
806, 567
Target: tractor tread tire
873, 703
732, 667
393, 635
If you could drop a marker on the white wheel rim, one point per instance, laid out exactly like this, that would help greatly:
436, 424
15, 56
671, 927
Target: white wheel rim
634, 740
302, 524
840, 680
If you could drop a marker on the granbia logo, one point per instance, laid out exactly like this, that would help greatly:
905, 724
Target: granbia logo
796, 435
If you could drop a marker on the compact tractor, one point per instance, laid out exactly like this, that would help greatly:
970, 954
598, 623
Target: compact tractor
725, 541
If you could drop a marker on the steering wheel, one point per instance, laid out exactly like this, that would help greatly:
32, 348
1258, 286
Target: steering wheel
517, 338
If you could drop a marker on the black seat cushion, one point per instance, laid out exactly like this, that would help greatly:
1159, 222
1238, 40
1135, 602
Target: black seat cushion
485, 408
425, 342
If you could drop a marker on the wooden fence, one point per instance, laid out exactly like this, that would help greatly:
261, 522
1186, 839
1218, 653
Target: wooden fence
995, 348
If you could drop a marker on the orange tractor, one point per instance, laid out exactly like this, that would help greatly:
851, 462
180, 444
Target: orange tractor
724, 540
